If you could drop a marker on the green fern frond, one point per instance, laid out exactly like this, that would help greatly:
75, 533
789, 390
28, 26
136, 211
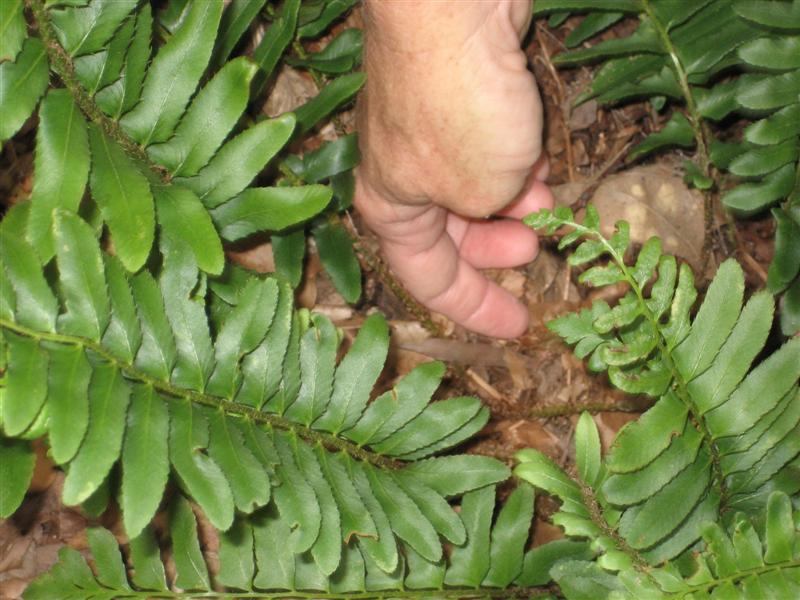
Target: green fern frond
487, 562
723, 433
129, 372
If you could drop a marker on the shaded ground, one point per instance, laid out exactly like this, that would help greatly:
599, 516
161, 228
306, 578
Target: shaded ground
534, 386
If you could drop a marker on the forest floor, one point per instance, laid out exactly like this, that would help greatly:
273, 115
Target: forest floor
535, 387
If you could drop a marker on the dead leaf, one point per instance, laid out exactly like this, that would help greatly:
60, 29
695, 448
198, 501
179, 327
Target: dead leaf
455, 351
519, 368
306, 294
583, 116
512, 281
257, 258
44, 473
529, 434
292, 88
655, 201
335, 313
544, 532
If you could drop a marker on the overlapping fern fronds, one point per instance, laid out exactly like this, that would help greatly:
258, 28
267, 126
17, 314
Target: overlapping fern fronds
724, 433
164, 141
714, 58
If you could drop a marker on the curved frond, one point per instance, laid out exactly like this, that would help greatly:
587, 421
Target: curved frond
156, 141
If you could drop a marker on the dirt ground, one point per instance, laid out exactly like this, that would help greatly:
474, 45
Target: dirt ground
534, 386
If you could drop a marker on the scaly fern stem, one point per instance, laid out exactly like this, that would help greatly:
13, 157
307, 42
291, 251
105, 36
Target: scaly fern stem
61, 63
680, 385
565, 410
229, 407
702, 134
596, 515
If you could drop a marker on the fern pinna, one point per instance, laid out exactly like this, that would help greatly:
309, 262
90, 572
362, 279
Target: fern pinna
721, 441
717, 59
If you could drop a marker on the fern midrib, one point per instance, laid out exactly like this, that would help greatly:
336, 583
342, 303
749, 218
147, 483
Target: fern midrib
61, 62
230, 408
739, 576
681, 388
695, 119
702, 134
596, 515
449, 593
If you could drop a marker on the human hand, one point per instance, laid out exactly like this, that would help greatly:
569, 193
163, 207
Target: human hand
450, 127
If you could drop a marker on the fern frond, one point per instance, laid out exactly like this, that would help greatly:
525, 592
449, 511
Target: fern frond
164, 138
714, 439
253, 560
115, 368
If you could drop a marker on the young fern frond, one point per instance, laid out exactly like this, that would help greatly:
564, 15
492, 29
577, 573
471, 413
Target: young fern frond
161, 153
716, 58
722, 434
490, 564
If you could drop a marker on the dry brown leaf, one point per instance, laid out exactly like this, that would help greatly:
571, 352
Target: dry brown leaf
569, 193
448, 350
529, 434
583, 115
292, 88
257, 258
306, 294
519, 368
655, 201
512, 281
544, 532
44, 472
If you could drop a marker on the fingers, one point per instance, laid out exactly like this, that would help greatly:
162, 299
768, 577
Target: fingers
504, 243
495, 244
481, 306
436, 254
443, 281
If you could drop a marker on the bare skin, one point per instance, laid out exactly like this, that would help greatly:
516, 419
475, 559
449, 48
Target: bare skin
451, 128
